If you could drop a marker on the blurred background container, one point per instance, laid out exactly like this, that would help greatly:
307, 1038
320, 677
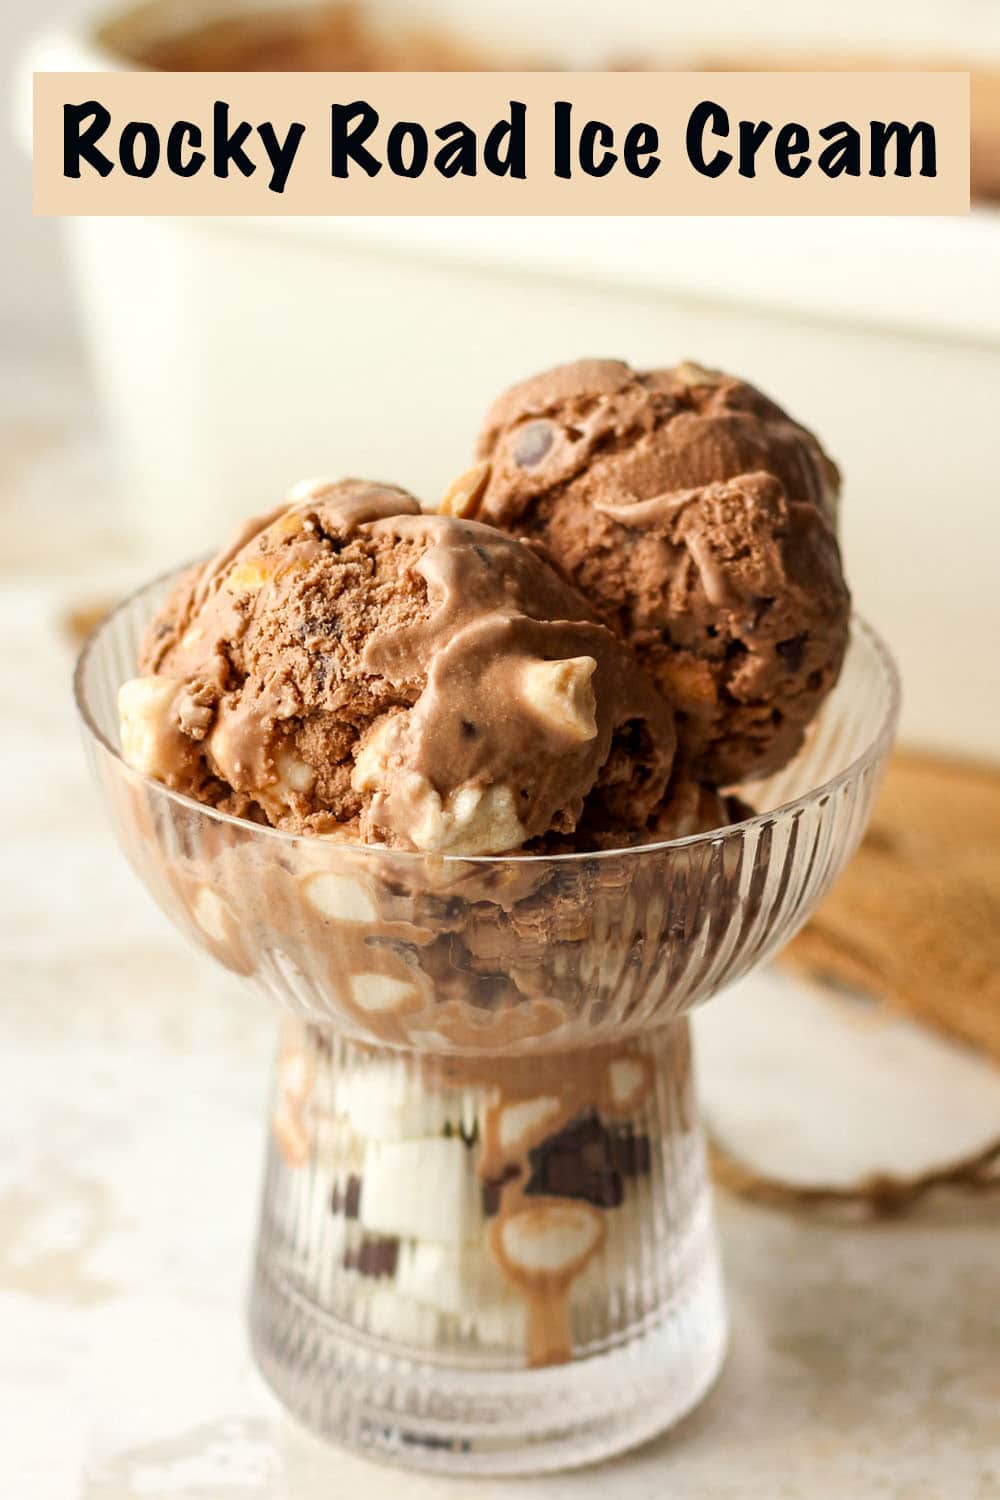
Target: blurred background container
236, 356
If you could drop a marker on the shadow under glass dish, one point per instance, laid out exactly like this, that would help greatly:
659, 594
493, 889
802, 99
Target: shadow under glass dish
486, 1241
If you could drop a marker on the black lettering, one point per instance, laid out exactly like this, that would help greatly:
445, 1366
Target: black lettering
562, 139
512, 162
227, 146
596, 133
134, 132
843, 154
347, 138
458, 154
642, 140
707, 117
183, 157
402, 163
903, 138
752, 134
82, 145
280, 153
790, 147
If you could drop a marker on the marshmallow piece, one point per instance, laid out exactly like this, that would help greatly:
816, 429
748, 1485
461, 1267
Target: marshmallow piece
381, 992
519, 1122
371, 762
293, 774
471, 820
561, 693
339, 897
422, 1189
212, 914
387, 1101
628, 1081
145, 717
390, 1316
459, 1280
551, 1240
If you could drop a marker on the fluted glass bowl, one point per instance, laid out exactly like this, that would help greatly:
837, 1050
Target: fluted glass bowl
486, 1239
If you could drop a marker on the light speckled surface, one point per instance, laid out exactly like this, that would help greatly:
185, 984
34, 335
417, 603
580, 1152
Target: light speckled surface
865, 1361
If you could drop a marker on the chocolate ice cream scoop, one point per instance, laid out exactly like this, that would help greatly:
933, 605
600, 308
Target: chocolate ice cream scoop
699, 521
349, 663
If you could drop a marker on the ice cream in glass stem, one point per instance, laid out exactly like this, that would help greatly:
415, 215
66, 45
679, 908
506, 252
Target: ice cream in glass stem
486, 797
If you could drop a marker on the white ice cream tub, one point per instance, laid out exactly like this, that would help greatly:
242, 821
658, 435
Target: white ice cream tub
238, 355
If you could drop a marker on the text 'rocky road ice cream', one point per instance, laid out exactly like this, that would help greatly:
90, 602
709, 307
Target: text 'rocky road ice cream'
699, 521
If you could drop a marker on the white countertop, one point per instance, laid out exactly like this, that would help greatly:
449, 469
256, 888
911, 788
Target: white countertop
865, 1360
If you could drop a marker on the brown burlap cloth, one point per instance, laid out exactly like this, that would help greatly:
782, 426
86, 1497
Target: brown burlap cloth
913, 924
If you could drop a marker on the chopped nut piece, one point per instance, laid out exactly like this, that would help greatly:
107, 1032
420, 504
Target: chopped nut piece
309, 489
690, 373
248, 577
462, 497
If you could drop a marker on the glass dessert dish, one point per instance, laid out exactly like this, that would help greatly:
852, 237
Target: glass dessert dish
486, 1240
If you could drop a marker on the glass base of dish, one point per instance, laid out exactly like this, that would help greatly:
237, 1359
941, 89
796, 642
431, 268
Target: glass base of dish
498, 1267
362, 1394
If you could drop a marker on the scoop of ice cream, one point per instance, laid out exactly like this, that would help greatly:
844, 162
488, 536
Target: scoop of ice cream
698, 520
423, 681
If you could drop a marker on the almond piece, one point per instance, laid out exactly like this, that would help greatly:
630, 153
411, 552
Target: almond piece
463, 495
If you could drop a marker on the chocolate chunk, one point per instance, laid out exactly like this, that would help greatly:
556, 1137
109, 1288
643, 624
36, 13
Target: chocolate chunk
348, 1201
631, 1153
567, 1176
492, 1190
793, 651
375, 1257
532, 443
577, 1162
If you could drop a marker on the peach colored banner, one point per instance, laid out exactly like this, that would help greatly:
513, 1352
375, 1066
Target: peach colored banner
501, 143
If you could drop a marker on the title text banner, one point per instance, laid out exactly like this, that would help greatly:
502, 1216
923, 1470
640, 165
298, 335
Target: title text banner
501, 143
